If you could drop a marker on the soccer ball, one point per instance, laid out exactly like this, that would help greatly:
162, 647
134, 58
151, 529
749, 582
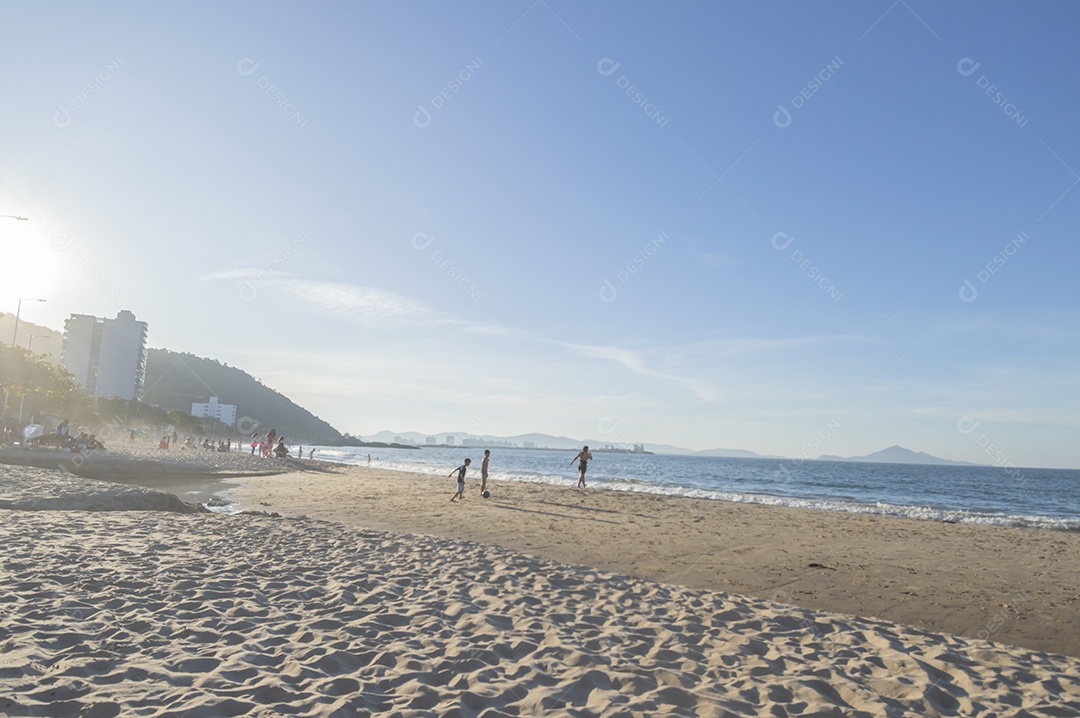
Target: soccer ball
486, 494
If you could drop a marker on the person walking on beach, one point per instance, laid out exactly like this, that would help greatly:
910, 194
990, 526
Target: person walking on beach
484, 471
582, 458
460, 480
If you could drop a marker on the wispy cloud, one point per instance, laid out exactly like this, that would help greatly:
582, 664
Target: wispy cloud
636, 362
363, 305
237, 274
379, 307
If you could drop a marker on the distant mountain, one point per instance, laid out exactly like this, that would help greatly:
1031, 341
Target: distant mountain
554, 442
736, 454
898, 455
175, 381
537, 440
39, 339
892, 455
720, 453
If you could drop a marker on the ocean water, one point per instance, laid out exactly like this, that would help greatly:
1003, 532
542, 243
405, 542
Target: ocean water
1037, 498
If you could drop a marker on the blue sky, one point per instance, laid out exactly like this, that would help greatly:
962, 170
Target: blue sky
791, 228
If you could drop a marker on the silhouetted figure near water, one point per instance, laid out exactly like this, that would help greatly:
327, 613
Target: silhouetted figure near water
583, 459
484, 471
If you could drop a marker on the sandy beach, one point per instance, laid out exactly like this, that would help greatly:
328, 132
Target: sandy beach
371, 594
1011, 585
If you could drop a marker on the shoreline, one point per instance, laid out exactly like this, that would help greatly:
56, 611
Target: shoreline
1014, 585
123, 599
763, 497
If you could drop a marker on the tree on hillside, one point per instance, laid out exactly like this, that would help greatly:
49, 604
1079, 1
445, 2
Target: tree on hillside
185, 423
176, 380
132, 414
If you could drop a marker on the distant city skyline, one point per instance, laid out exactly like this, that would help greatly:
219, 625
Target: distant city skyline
787, 228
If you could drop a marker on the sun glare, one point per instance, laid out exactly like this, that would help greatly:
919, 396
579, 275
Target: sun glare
29, 265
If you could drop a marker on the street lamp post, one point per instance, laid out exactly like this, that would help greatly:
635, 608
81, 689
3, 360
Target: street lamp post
18, 311
16, 217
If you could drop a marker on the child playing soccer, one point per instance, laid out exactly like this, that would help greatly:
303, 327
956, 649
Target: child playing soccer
460, 480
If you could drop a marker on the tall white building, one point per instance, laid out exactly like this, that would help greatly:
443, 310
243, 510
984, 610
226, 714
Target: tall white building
225, 413
107, 356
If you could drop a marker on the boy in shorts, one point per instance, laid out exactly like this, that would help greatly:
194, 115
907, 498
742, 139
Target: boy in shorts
460, 480
583, 462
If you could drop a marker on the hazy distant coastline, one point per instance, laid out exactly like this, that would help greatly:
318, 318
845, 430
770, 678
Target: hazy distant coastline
413, 439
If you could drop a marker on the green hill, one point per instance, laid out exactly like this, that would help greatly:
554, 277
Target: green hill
175, 381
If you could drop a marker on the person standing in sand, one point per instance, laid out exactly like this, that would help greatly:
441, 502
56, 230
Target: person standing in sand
460, 480
484, 471
582, 458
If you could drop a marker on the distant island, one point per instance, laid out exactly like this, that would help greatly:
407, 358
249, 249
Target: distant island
898, 455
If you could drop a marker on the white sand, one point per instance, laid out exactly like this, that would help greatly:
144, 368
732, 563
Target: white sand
138, 613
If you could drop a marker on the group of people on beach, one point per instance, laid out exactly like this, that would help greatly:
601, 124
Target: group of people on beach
190, 442
31, 434
583, 457
266, 447
66, 441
